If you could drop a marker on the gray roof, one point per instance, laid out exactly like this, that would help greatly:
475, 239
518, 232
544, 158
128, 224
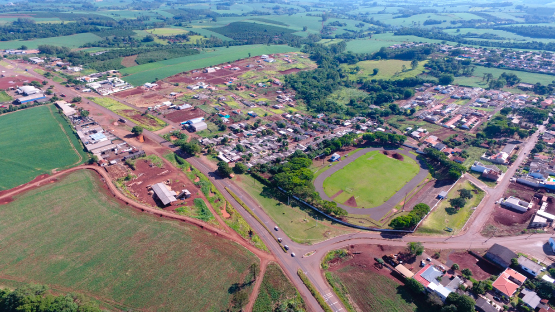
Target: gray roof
454, 284
431, 274
530, 298
502, 252
165, 195
525, 262
508, 148
484, 306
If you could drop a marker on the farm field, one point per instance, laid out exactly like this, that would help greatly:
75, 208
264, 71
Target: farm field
127, 258
138, 75
299, 223
388, 69
384, 176
4, 97
276, 290
36, 146
207, 32
476, 79
147, 121
445, 216
73, 41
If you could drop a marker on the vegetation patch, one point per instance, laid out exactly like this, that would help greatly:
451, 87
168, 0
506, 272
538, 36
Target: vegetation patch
277, 293
146, 121
445, 215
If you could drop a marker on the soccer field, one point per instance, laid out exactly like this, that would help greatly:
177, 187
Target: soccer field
371, 179
72, 235
33, 142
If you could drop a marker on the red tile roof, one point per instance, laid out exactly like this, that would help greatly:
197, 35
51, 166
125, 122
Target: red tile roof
419, 278
506, 286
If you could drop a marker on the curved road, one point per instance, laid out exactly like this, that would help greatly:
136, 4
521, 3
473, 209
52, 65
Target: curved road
377, 212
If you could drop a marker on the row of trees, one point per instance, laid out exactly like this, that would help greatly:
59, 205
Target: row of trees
408, 221
441, 166
384, 138
37, 298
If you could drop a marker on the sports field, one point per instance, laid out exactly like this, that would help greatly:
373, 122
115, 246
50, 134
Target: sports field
138, 75
33, 142
73, 235
371, 179
388, 69
444, 215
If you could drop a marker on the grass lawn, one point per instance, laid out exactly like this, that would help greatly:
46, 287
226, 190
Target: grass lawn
33, 142
371, 291
276, 289
138, 75
383, 177
167, 31
414, 123
474, 154
388, 69
344, 95
445, 216
476, 79
73, 235
301, 224
478, 175
4, 97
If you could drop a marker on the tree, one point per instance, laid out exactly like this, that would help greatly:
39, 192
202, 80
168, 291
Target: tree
467, 194
240, 168
84, 113
505, 111
414, 285
466, 273
415, 248
375, 71
224, 169
137, 130
462, 302
76, 99
454, 174
449, 308
44, 82
446, 79
455, 267
514, 263
458, 202
191, 148
414, 64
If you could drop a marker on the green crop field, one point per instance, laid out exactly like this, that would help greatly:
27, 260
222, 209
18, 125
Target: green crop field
73, 41
72, 234
276, 290
33, 143
167, 31
138, 75
445, 216
383, 177
299, 223
388, 69
207, 32
372, 291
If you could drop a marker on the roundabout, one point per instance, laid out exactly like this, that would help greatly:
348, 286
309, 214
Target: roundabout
371, 181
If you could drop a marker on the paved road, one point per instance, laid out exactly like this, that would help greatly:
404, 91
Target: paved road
534, 245
377, 212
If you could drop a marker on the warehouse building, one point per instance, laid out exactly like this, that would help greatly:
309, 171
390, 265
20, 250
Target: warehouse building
164, 194
31, 98
199, 126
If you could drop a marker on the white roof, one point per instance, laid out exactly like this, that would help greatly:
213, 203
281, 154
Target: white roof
166, 196
548, 279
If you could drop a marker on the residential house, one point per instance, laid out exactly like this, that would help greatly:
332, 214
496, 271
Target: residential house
483, 305
508, 283
516, 204
529, 266
492, 174
427, 276
500, 255
530, 298
479, 167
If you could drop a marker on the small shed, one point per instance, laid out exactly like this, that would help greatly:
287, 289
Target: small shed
335, 157
199, 126
404, 271
163, 193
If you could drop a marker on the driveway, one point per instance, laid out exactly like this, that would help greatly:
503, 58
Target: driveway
380, 211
